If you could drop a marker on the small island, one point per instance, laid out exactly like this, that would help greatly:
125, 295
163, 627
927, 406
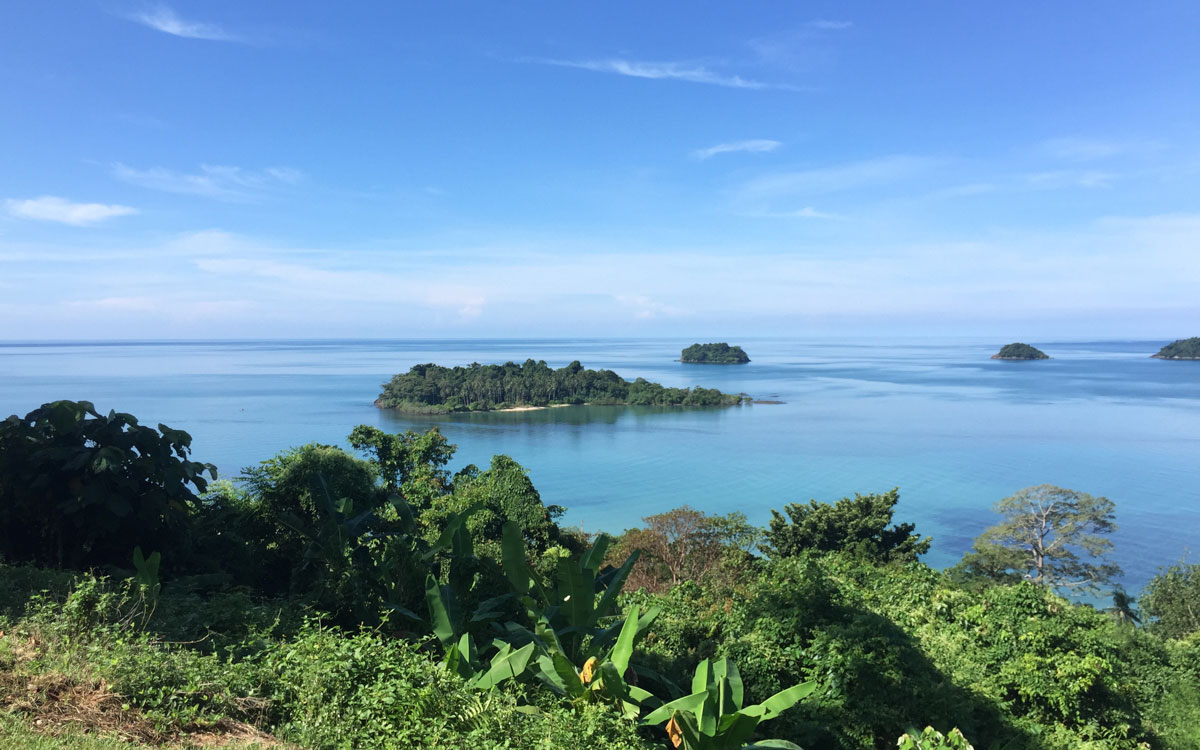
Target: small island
433, 389
1181, 349
1020, 351
714, 354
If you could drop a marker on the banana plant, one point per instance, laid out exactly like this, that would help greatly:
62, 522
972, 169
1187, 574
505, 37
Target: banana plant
450, 625
604, 677
575, 604
584, 645
407, 548
713, 718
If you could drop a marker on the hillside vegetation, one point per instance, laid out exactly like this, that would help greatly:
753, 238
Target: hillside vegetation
332, 600
1181, 349
714, 354
430, 388
1019, 351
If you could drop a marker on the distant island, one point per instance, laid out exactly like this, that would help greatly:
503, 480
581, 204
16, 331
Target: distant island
714, 354
433, 389
1020, 351
1181, 349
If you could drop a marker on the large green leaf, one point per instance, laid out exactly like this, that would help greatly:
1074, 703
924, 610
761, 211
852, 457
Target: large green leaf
782, 744
608, 600
686, 703
576, 593
702, 678
516, 568
724, 668
622, 652
550, 676
507, 664
440, 615
736, 728
781, 701
593, 559
689, 730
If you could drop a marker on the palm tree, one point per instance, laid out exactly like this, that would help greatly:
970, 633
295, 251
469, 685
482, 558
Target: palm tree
1122, 609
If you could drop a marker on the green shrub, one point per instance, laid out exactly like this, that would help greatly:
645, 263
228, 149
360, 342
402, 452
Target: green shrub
80, 489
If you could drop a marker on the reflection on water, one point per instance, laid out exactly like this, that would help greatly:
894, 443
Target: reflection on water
559, 415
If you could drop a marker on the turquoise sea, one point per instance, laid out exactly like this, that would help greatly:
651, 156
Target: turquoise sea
954, 430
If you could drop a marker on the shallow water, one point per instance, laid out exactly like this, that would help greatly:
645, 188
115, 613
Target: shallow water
953, 429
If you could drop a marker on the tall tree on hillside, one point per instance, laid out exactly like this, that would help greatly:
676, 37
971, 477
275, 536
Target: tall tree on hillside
1172, 599
861, 524
685, 544
1061, 536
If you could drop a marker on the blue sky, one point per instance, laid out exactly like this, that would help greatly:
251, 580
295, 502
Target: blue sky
313, 169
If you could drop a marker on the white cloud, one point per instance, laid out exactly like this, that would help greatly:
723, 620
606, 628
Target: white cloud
757, 145
50, 208
1137, 271
679, 71
212, 181
162, 18
808, 212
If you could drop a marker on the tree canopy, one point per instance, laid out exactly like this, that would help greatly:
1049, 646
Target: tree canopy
1172, 598
1052, 536
430, 388
714, 354
859, 525
1020, 351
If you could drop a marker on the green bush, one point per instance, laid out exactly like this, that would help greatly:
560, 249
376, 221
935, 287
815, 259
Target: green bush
79, 488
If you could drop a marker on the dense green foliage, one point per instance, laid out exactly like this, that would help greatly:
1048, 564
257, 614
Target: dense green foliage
431, 388
1020, 351
714, 354
333, 612
858, 525
79, 488
1181, 349
1172, 598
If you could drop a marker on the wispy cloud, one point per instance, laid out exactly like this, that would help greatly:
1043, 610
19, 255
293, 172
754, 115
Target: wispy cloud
828, 25
164, 19
677, 71
808, 212
757, 145
63, 211
1137, 273
1077, 148
647, 308
221, 182
1067, 178
834, 179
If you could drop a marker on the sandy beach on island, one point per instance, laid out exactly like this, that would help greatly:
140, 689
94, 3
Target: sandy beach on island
532, 408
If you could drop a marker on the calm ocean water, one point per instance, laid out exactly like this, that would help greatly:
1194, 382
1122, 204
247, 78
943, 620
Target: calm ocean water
952, 429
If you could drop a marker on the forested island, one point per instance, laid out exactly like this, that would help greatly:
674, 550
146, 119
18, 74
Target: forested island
714, 354
374, 598
1020, 351
433, 389
1181, 349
